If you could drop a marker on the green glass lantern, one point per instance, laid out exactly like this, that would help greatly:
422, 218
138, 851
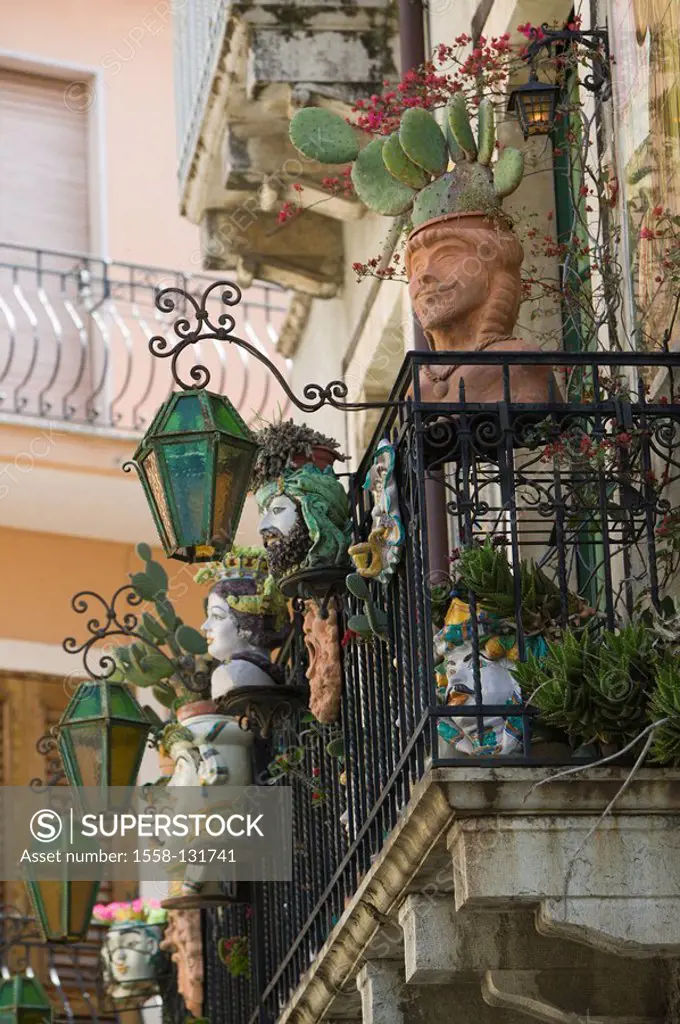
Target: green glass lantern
23, 1001
102, 735
195, 462
534, 104
62, 907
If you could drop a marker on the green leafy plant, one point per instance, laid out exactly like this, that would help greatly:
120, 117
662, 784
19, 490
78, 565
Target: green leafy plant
166, 655
607, 688
408, 170
665, 704
235, 955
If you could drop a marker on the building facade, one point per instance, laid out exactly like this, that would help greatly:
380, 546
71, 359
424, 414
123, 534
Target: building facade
429, 887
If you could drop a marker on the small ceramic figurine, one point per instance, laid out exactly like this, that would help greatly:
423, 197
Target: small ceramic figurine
378, 557
456, 677
247, 619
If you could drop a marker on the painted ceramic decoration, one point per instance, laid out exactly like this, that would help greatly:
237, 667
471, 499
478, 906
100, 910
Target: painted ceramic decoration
247, 619
132, 959
455, 676
378, 557
304, 512
304, 520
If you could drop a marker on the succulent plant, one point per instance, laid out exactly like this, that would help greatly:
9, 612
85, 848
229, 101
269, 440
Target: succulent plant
665, 703
598, 689
322, 135
485, 570
281, 443
408, 170
180, 672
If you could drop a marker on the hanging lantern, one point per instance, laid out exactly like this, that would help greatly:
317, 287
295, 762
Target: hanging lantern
102, 736
63, 908
534, 104
23, 1001
195, 462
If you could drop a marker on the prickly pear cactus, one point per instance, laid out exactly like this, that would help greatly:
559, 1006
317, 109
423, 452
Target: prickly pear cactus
373, 621
324, 136
166, 653
410, 170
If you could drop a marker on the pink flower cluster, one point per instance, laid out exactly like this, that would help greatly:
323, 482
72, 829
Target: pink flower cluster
135, 910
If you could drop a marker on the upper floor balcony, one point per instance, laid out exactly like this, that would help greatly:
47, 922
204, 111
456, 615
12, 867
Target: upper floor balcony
478, 819
78, 385
241, 69
74, 337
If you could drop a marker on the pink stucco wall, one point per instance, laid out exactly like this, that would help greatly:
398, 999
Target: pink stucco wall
129, 43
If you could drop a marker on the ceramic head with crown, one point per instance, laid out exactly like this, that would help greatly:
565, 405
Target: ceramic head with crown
247, 618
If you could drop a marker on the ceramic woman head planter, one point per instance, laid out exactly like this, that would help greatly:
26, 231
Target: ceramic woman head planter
498, 685
246, 611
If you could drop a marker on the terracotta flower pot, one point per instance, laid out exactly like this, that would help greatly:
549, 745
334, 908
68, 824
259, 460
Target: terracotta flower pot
322, 457
465, 286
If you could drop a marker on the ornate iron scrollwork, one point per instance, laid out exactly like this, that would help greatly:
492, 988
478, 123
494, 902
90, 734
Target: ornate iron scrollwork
205, 329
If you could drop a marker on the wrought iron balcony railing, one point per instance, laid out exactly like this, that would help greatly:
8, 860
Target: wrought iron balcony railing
569, 506
74, 333
198, 27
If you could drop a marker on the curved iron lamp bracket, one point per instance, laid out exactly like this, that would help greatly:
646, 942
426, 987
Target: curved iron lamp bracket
111, 621
204, 329
595, 40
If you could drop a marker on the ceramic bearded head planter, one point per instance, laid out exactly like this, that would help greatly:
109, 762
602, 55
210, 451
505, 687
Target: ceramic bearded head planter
304, 512
462, 257
247, 619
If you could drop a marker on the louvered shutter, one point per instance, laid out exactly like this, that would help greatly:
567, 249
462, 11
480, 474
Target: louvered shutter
43, 164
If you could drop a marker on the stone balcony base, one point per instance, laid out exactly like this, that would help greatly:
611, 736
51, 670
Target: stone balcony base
477, 908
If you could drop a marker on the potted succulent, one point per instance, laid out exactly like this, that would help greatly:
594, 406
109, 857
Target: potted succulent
131, 949
285, 445
448, 187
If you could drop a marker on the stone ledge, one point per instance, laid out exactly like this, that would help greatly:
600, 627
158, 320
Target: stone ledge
478, 791
424, 821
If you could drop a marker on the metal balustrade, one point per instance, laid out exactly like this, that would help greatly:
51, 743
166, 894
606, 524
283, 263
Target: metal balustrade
584, 483
198, 31
74, 333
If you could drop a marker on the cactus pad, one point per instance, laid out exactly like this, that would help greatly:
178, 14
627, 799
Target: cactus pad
486, 133
399, 165
508, 172
376, 187
324, 136
467, 189
422, 140
459, 123
431, 202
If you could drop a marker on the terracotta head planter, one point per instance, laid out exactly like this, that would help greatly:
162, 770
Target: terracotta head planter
464, 283
324, 672
462, 258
